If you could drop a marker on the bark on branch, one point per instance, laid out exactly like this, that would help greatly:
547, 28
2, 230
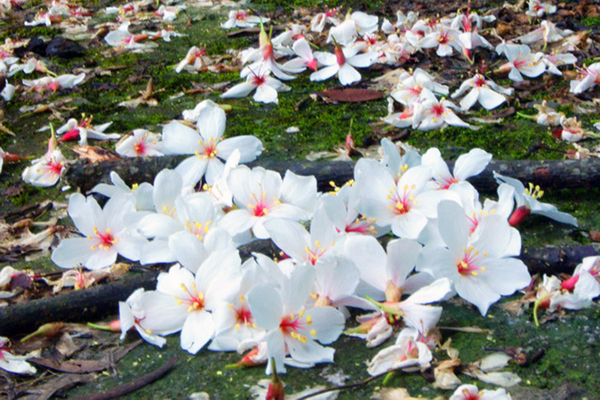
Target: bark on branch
553, 174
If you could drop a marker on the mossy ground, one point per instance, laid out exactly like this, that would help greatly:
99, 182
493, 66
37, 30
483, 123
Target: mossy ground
571, 343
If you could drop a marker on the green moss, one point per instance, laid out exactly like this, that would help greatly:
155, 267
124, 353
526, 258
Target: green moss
592, 22
30, 32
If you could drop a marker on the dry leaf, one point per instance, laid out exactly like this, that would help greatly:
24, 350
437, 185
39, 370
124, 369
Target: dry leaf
94, 154
595, 236
445, 378
351, 95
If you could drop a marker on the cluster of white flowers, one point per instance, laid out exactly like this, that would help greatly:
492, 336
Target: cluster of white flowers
288, 310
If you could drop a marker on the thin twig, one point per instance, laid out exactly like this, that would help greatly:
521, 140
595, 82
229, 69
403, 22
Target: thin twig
350, 385
132, 386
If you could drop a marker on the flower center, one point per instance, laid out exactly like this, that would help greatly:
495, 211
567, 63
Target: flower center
104, 241
193, 299
197, 229
479, 81
209, 149
437, 110
140, 147
54, 167
402, 202
468, 264
362, 225
315, 253
243, 315
470, 396
534, 191
292, 325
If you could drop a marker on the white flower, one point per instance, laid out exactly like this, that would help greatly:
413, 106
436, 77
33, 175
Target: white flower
537, 9
83, 130
482, 90
553, 61
435, 114
105, 234
412, 88
122, 38
471, 392
141, 194
588, 78
207, 146
45, 171
265, 85
241, 19
481, 266
194, 60
11, 363
67, 81
303, 247
527, 202
142, 143
261, 195
139, 312
343, 63
466, 166
216, 281
547, 32
290, 327
521, 62
406, 204
305, 57
408, 354
445, 40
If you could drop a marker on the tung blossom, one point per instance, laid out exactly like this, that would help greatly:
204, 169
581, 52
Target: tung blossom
406, 204
291, 328
11, 363
521, 62
483, 91
435, 114
105, 234
192, 299
481, 266
141, 143
527, 202
261, 195
53, 84
408, 353
588, 78
343, 63
208, 145
445, 40
536, 8
471, 392
466, 166
83, 130
47, 170
241, 19
265, 85
194, 60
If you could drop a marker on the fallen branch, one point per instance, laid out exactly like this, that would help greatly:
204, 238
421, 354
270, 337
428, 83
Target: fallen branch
132, 386
90, 304
553, 174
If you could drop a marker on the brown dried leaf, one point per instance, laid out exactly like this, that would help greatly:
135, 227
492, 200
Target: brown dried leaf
351, 95
595, 236
94, 154
71, 367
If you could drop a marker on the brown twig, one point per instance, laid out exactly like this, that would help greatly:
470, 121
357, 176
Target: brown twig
132, 386
350, 385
